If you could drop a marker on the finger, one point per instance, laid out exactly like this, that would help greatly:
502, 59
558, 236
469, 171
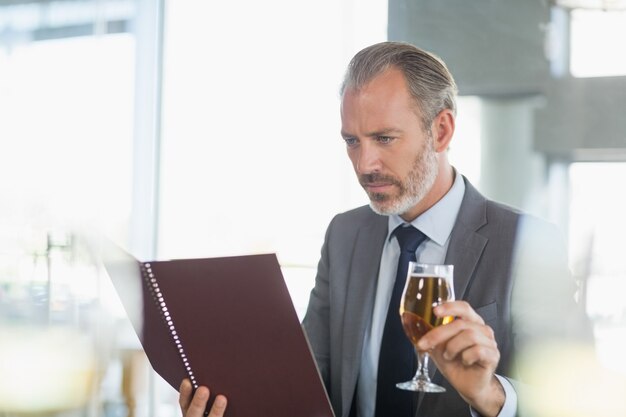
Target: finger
484, 356
480, 338
443, 334
459, 309
198, 403
186, 392
219, 406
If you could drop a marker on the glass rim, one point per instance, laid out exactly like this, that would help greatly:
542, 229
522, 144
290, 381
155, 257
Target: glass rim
413, 264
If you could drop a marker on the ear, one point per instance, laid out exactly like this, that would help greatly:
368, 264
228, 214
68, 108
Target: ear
442, 129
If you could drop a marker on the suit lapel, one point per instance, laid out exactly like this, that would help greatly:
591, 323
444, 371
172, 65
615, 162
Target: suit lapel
464, 253
466, 244
361, 288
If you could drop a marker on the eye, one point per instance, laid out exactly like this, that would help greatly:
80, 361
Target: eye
350, 141
385, 139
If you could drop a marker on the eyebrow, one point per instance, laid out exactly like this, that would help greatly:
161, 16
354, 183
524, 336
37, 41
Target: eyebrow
381, 132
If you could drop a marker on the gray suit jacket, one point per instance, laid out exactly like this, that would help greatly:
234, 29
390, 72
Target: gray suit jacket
481, 249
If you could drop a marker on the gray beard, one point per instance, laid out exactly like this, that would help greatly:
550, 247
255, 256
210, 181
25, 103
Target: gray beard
418, 183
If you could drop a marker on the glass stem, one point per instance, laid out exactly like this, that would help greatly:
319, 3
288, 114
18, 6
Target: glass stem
422, 366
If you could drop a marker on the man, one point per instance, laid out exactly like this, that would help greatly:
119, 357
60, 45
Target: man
398, 118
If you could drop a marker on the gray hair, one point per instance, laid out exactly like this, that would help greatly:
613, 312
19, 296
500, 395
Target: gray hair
428, 79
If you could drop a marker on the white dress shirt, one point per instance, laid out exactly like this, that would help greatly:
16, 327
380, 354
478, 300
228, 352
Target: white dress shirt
436, 223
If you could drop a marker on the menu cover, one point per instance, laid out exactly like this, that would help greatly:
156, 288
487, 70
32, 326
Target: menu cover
225, 323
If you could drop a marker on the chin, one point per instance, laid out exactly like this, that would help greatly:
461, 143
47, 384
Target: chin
383, 209
399, 205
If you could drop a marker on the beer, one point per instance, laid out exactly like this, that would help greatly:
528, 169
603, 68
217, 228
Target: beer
421, 294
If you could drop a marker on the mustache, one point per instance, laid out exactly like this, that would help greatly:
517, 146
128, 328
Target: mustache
376, 177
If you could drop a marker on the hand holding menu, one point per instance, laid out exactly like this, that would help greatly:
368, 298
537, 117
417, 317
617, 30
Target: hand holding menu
225, 323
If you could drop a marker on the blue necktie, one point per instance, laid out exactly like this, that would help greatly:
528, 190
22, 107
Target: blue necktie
397, 357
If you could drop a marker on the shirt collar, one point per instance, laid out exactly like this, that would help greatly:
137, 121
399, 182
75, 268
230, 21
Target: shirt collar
437, 222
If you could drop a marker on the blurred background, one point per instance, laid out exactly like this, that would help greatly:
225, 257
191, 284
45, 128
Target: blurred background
176, 127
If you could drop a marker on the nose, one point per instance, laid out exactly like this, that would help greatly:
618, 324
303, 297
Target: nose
367, 159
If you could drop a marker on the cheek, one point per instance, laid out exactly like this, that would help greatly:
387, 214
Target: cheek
353, 156
403, 165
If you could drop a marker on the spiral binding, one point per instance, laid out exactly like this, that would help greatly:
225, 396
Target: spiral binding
157, 296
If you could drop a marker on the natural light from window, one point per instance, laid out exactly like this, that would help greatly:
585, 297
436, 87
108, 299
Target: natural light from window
597, 230
70, 131
597, 43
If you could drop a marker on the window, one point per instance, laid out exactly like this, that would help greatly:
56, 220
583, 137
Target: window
597, 43
66, 134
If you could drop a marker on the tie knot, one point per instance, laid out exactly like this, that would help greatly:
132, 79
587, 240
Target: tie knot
409, 237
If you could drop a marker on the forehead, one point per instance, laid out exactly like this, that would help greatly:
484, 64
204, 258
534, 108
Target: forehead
384, 99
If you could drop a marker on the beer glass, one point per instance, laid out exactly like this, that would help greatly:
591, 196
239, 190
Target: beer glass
426, 287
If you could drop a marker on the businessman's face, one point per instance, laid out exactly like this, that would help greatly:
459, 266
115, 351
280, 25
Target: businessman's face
391, 152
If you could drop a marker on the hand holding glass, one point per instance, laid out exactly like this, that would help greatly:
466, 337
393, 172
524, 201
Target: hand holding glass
427, 286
